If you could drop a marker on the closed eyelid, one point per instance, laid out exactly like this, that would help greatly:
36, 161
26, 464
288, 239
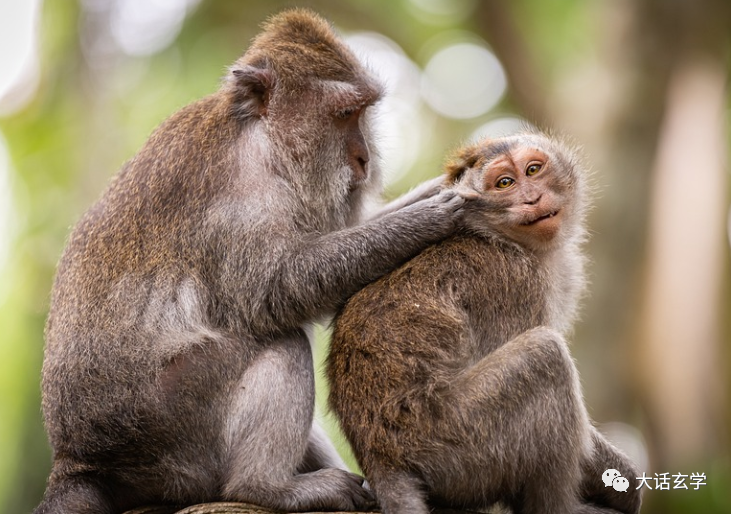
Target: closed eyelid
351, 94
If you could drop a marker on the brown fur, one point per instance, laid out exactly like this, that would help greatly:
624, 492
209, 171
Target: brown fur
451, 376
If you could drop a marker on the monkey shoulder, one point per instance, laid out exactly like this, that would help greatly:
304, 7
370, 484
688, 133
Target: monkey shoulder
424, 299
179, 168
409, 329
146, 224
472, 263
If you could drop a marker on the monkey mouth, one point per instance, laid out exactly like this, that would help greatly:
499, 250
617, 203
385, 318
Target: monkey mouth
539, 219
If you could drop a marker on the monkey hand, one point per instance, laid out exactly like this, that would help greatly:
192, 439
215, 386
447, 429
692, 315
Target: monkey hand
465, 192
427, 189
442, 210
343, 490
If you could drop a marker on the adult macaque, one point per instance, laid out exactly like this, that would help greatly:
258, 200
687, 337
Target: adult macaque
451, 376
178, 366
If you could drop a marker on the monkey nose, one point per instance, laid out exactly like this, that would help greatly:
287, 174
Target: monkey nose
359, 167
534, 200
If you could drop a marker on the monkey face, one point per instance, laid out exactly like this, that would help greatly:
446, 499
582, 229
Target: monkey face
324, 130
349, 123
304, 92
522, 182
525, 189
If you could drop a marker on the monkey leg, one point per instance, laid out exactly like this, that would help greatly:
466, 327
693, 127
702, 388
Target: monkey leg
516, 429
593, 491
398, 492
267, 435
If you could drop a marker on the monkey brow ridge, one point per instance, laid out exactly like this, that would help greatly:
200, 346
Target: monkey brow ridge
497, 149
363, 93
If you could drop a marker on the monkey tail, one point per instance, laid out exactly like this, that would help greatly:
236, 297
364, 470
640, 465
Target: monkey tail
75, 495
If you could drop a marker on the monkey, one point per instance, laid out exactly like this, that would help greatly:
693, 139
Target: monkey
451, 376
177, 366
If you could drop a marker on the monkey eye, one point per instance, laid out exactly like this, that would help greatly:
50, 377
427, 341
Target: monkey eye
504, 183
344, 114
532, 169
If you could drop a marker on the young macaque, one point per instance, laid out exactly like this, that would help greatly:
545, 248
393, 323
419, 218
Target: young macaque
451, 376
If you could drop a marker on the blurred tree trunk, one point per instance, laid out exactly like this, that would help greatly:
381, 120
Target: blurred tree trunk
680, 313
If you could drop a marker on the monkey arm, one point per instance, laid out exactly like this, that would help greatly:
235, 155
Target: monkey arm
275, 276
316, 276
424, 190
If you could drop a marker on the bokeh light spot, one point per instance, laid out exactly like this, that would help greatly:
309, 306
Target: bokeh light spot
144, 27
399, 117
463, 80
500, 127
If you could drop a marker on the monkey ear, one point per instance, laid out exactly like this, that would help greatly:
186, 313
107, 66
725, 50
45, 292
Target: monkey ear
251, 87
463, 160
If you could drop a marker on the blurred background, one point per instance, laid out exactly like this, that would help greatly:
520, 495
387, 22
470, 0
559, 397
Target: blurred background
640, 85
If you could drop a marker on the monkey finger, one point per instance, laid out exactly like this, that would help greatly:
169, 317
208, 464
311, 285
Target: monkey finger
351, 489
456, 202
363, 500
466, 192
451, 198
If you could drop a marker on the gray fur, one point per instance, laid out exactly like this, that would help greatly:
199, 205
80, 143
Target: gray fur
177, 365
